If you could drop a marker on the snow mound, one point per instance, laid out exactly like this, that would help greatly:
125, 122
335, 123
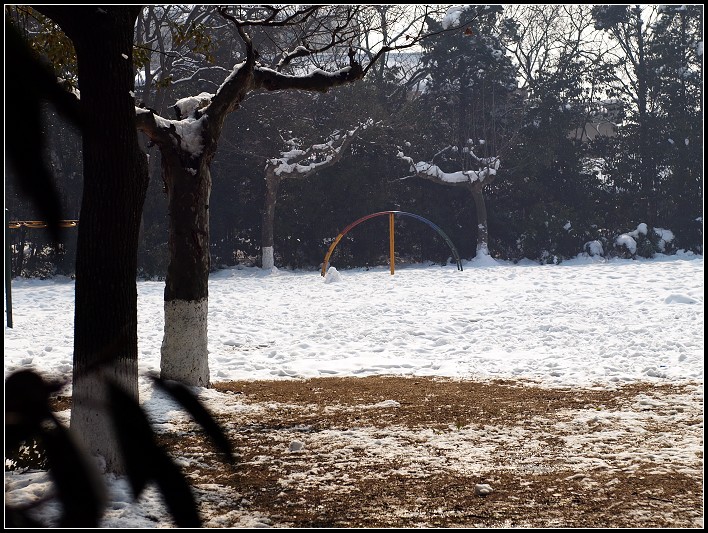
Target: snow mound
332, 275
680, 299
482, 489
483, 259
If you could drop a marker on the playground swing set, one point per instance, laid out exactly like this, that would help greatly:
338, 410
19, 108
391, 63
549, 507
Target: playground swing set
391, 243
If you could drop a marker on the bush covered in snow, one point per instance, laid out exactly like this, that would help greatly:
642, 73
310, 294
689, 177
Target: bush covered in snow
644, 242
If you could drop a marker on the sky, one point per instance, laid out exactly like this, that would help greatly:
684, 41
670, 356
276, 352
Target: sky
587, 322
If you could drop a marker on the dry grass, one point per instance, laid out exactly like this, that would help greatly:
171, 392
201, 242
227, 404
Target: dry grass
408, 452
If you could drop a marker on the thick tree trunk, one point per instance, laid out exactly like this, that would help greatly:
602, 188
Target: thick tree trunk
268, 220
115, 184
482, 228
184, 354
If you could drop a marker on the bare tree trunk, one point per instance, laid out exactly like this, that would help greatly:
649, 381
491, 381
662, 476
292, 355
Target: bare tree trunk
268, 221
482, 227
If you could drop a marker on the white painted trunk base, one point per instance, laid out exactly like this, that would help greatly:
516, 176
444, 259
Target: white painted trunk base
267, 258
184, 354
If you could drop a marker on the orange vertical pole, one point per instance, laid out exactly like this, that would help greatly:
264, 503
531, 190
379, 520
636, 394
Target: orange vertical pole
391, 252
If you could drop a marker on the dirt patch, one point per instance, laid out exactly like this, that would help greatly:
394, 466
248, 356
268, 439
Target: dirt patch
426, 402
409, 452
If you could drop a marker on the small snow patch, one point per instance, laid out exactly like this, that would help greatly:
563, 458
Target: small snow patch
679, 299
482, 489
296, 446
387, 403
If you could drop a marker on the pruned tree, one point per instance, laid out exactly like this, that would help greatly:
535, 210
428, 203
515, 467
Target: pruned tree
297, 163
473, 180
315, 53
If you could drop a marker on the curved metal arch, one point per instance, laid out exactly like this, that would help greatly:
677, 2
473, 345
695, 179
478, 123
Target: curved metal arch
380, 213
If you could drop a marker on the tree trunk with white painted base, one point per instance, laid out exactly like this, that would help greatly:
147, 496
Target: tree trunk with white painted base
268, 221
184, 357
115, 184
184, 353
482, 227
298, 164
188, 146
475, 181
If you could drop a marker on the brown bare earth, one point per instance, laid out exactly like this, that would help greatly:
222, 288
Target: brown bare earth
409, 452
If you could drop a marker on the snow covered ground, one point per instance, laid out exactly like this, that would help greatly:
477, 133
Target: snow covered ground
577, 323
584, 322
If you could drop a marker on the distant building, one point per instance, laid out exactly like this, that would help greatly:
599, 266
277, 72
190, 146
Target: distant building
603, 118
594, 129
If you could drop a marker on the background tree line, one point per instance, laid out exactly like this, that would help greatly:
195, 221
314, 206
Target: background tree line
521, 84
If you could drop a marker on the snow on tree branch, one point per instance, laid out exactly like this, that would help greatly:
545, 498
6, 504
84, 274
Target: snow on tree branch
201, 117
426, 170
302, 163
185, 134
332, 26
298, 51
187, 106
452, 17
